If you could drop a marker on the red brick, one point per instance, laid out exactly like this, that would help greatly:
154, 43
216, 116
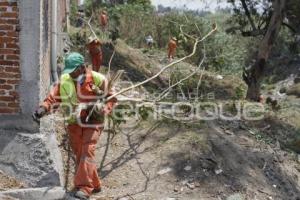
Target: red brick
14, 94
8, 51
2, 103
12, 82
2, 81
13, 105
13, 57
7, 110
15, 8
6, 87
9, 62
2, 9
12, 21
7, 39
10, 75
12, 46
12, 69
7, 98
4, 4
9, 14
14, 4
6, 27
12, 34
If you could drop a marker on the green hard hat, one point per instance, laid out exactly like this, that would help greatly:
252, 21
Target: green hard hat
72, 62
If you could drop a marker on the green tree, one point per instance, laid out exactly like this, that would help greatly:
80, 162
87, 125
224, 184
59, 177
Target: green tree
263, 20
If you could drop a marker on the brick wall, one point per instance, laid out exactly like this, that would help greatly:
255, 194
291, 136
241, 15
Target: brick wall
10, 74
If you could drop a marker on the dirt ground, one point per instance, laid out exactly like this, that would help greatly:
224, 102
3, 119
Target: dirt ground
207, 161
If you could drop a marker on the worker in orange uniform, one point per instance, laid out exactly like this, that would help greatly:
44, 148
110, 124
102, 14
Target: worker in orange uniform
103, 20
75, 88
172, 48
94, 48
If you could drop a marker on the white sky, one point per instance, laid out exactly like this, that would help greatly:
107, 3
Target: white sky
192, 4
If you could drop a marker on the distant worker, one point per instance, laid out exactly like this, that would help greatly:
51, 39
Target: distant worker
80, 17
94, 48
172, 48
76, 88
103, 20
149, 41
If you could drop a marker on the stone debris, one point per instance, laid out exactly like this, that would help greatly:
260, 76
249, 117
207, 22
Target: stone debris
236, 196
218, 171
190, 185
188, 168
164, 171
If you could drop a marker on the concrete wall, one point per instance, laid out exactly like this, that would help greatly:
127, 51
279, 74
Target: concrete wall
30, 40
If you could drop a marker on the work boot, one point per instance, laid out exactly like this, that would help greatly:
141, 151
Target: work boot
81, 195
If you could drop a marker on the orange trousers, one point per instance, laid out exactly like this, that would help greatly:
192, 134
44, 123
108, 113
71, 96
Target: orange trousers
83, 143
171, 53
96, 61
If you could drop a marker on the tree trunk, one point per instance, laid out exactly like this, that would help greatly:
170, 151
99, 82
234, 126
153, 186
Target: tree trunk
253, 76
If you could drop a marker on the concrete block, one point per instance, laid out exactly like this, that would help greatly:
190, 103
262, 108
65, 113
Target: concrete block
31, 158
46, 193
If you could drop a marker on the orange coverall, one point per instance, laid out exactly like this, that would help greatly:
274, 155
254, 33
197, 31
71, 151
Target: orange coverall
95, 51
83, 140
171, 49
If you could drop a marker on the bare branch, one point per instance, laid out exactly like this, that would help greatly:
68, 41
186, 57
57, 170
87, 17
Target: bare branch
248, 14
109, 64
90, 26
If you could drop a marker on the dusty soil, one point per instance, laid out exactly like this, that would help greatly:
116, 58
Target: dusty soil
7, 182
169, 160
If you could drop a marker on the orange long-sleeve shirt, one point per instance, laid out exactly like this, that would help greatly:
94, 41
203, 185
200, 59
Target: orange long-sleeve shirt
94, 47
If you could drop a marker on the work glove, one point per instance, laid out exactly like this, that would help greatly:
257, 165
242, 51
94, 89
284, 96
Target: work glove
38, 114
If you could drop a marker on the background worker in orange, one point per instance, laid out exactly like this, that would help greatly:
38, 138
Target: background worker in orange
103, 20
172, 48
94, 48
75, 87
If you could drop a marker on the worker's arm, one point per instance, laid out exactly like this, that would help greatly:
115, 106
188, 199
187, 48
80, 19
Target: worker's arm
52, 101
53, 98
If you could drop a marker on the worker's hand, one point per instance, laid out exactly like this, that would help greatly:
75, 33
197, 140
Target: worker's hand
108, 108
38, 114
